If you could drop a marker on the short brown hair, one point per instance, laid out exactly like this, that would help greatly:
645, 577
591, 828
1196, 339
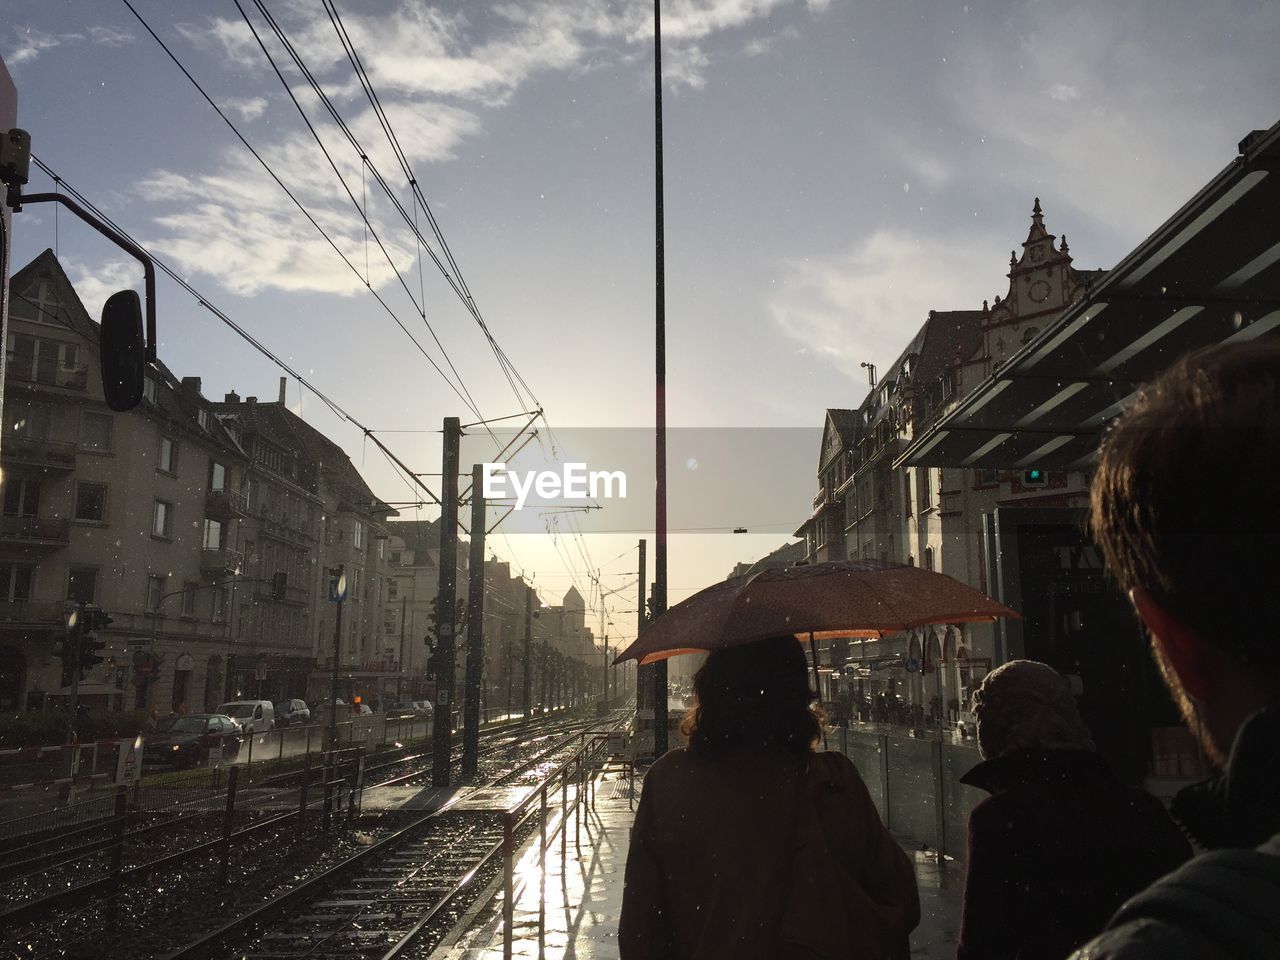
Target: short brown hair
1186, 497
755, 695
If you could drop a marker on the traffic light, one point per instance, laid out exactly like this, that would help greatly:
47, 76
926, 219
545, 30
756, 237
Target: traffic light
1035, 477
86, 639
65, 653
279, 584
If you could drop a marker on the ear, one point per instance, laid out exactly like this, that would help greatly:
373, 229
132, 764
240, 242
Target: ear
1181, 647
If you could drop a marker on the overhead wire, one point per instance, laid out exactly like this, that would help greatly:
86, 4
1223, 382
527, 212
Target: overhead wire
290, 194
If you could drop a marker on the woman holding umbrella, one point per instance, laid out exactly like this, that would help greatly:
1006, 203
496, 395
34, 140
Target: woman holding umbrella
748, 843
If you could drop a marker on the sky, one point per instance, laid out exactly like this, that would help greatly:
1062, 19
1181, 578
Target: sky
833, 170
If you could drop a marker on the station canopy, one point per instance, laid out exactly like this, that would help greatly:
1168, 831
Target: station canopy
1210, 274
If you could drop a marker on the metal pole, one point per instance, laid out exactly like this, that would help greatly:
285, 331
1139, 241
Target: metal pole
338, 572
404, 603
71, 652
475, 628
528, 652
660, 376
508, 867
446, 600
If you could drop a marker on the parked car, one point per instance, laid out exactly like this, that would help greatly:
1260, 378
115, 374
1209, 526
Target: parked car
254, 716
189, 739
404, 708
424, 708
292, 713
362, 710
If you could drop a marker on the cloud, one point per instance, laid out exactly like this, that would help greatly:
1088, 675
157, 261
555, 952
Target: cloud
33, 42
1096, 102
111, 36
437, 72
95, 284
1063, 92
247, 108
867, 303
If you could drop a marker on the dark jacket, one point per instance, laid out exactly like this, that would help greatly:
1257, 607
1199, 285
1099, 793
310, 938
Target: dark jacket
1055, 849
713, 846
1225, 903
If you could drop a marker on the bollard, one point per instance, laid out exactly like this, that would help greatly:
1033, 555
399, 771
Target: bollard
281, 755
508, 886
228, 819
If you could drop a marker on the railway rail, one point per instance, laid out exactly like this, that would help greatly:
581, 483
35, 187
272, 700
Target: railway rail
408, 891
504, 749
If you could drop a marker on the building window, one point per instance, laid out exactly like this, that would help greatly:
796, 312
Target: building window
986, 477
906, 493
189, 599
155, 592
202, 418
928, 558
162, 519
22, 418
1029, 334
91, 502
220, 597
212, 534
395, 556
926, 489
95, 432
217, 477
82, 584
15, 581
393, 588
149, 390
21, 497
168, 460
357, 537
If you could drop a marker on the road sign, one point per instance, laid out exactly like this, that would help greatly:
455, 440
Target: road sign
129, 761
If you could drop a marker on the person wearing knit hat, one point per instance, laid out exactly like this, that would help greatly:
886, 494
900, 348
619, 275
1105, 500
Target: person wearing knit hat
1060, 843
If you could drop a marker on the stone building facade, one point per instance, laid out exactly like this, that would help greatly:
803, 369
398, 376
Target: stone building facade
933, 517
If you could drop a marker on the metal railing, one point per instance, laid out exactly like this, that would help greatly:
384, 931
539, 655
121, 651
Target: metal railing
57, 454
55, 530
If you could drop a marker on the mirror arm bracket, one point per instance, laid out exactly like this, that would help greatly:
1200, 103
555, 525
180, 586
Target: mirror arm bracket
148, 267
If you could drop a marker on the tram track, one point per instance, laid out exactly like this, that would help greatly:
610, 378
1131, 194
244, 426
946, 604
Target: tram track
382, 902
503, 750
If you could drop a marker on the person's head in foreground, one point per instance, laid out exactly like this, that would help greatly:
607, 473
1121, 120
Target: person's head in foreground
753, 695
1027, 705
1185, 509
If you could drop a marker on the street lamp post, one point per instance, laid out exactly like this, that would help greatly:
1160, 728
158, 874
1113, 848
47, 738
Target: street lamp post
339, 594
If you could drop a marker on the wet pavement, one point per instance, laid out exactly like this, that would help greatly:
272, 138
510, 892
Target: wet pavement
584, 893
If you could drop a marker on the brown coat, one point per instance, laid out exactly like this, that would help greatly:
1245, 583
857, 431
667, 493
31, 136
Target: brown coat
710, 859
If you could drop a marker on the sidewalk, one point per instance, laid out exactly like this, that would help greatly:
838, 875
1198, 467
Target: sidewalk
584, 899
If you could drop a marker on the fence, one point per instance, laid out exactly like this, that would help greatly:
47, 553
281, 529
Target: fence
915, 783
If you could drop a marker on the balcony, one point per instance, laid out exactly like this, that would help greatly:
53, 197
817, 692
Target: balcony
45, 372
219, 562
226, 505
29, 451
35, 531
47, 612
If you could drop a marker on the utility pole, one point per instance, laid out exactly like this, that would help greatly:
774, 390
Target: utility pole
528, 651
338, 591
660, 418
446, 604
404, 605
475, 629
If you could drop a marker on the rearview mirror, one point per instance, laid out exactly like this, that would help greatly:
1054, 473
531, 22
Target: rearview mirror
123, 350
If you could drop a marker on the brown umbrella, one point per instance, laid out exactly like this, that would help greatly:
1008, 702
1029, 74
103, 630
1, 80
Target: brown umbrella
846, 598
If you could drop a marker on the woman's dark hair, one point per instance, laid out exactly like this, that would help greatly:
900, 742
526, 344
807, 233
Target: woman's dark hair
753, 695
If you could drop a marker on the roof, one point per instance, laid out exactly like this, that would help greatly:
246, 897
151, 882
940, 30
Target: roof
290, 432
420, 536
1208, 275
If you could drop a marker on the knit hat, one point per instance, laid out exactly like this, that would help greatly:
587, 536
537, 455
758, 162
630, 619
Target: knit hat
1027, 705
